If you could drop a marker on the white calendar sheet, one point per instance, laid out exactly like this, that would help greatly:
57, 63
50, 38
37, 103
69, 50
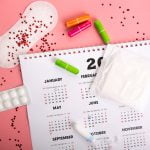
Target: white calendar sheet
59, 97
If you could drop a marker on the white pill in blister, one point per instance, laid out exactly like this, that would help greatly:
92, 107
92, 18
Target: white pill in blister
7, 104
21, 91
5, 96
13, 93
24, 100
1, 106
16, 102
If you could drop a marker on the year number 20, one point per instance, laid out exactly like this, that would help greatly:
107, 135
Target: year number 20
92, 63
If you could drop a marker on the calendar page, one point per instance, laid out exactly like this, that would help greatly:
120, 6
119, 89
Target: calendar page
59, 98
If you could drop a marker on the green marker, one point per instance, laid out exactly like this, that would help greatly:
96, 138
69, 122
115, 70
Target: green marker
101, 30
66, 66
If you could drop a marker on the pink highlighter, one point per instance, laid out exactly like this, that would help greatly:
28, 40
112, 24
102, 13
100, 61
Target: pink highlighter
79, 28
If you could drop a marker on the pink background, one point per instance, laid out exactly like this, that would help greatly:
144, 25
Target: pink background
126, 20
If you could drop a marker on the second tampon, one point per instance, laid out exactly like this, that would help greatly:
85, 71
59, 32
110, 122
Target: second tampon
74, 31
66, 66
102, 32
83, 132
78, 20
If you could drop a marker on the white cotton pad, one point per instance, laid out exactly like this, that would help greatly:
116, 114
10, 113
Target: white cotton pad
124, 76
13, 98
39, 18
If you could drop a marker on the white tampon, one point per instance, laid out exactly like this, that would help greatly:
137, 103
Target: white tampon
83, 132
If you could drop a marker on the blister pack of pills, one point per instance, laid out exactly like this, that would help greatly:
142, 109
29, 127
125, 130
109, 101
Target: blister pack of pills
13, 98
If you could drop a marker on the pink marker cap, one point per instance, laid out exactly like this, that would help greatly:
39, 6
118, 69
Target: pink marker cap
79, 28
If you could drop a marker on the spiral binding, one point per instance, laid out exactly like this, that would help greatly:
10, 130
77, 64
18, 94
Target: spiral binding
84, 50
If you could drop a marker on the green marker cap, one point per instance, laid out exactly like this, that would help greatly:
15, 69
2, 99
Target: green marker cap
66, 66
101, 30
